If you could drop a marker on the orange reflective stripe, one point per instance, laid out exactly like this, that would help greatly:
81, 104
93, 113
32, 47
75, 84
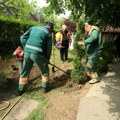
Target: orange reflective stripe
94, 75
23, 78
23, 81
45, 78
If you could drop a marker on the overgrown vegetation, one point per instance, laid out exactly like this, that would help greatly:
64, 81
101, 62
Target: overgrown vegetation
11, 30
108, 51
101, 65
95, 11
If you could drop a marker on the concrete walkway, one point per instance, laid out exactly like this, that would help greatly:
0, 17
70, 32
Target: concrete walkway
103, 100
22, 110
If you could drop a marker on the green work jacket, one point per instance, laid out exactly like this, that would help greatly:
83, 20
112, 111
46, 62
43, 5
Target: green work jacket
37, 40
93, 42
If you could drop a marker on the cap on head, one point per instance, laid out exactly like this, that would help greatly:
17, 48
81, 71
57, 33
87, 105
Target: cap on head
19, 47
49, 24
87, 27
86, 24
64, 27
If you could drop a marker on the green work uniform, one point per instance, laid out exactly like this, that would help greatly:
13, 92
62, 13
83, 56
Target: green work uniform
94, 47
37, 43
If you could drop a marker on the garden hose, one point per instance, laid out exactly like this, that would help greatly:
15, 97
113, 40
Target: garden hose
16, 102
7, 105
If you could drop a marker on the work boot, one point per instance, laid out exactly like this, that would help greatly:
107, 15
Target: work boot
47, 89
44, 90
94, 80
20, 92
67, 61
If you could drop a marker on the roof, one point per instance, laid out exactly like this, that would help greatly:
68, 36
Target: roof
112, 30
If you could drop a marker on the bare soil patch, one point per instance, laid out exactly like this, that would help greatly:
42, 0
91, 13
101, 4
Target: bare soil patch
63, 98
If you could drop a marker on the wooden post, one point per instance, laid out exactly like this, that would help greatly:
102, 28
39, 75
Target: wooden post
53, 52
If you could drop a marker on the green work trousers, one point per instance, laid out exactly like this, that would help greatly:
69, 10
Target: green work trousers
29, 60
91, 63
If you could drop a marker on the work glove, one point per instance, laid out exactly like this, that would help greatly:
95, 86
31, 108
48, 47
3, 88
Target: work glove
14, 53
21, 54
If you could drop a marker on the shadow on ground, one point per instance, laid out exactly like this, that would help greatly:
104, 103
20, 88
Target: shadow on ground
55, 82
112, 89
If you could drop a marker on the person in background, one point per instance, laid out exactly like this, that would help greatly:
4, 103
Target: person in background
37, 43
93, 44
19, 56
63, 43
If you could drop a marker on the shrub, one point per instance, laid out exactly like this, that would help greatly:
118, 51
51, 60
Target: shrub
11, 30
101, 65
78, 71
108, 52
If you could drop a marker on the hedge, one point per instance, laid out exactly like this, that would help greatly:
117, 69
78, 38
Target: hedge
11, 30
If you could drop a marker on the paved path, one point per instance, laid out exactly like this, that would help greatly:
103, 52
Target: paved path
103, 100
22, 110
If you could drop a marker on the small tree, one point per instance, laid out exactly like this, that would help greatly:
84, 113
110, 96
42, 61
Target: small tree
79, 68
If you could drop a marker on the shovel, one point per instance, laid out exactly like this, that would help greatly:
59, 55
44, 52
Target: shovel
59, 68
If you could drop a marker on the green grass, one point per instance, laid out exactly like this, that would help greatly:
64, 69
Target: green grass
37, 114
57, 56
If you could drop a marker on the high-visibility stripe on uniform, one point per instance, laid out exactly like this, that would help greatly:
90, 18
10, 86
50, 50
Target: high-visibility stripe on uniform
34, 48
94, 75
23, 81
45, 78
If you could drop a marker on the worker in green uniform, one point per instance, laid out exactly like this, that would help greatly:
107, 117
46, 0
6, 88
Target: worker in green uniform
37, 44
93, 45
